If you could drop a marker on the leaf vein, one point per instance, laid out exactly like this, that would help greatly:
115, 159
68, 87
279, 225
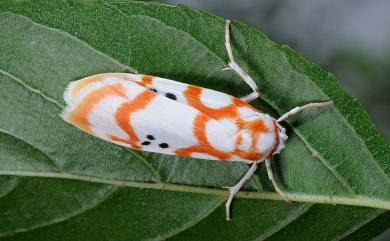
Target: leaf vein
355, 227
54, 162
145, 162
14, 185
193, 222
342, 180
94, 203
285, 222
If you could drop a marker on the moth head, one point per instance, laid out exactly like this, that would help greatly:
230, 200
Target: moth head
282, 138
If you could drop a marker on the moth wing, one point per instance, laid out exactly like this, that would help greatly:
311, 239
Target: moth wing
115, 108
208, 101
92, 103
137, 111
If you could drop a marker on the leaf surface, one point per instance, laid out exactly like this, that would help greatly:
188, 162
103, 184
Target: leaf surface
59, 183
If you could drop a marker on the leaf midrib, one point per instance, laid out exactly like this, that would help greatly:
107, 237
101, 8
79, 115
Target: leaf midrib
299, 197
342, 180
49, 98
339, 178
267, 195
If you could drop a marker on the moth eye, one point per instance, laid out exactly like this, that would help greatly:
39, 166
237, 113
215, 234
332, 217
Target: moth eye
171, 96
145, 143
164, 145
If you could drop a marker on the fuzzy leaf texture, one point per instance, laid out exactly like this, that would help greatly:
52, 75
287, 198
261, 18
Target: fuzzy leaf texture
59, 183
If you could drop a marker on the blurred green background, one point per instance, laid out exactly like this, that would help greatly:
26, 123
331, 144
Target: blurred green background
348, 38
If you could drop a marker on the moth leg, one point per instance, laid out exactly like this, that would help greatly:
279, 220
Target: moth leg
235, 67
234, 190
301, 108
271, 177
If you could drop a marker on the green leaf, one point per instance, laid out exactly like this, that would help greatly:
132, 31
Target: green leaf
58, 183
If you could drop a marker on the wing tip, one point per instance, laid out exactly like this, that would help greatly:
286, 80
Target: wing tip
65, 113
68, 92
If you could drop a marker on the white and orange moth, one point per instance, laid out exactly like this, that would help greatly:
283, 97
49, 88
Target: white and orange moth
153, 114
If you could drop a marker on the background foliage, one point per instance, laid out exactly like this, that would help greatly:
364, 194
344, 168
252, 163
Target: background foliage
58, 183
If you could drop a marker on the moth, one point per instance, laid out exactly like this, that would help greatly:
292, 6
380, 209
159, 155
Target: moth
159, 115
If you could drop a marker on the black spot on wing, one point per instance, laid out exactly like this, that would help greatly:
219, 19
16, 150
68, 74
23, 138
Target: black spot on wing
150, 137
171, 96
145, 143
164, 145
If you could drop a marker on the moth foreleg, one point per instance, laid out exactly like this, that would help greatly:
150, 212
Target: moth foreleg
235, 67
301, 108
271, 177
234, 190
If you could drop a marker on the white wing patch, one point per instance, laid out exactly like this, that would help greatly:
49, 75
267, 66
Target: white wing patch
102, 118
170, 89
247, 114
221, 134
167, 123
246, 141
214, 99
175, 90
266, 139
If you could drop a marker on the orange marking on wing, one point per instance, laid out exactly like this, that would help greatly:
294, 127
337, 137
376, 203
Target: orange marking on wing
276, 132
192, 94
238, 140
240, 103
200, 133
79, 115
200, 128
146, 79
126, 141
254, 127
203, 146
123, 115
201, 149
248, 155
80, 84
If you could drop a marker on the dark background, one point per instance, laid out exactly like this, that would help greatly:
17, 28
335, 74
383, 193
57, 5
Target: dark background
349, 38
